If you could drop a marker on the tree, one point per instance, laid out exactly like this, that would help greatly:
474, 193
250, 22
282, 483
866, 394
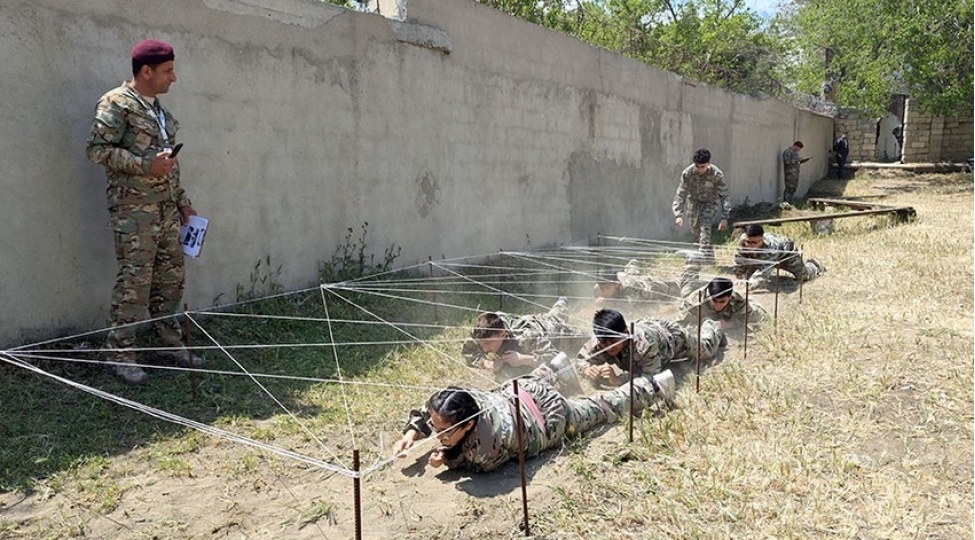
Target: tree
719, 42
923, 48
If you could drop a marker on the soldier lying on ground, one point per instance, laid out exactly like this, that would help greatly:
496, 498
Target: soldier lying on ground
476, 429
655, 343
632, 285
722, 304
762, 252
513, 345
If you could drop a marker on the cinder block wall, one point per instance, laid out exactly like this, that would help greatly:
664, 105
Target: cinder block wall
931, 138
861, 133
460, 132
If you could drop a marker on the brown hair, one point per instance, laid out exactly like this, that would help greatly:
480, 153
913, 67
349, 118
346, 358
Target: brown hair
487, 324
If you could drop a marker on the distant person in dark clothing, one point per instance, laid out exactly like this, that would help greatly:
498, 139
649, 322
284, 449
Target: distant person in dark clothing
842, 149
898, 133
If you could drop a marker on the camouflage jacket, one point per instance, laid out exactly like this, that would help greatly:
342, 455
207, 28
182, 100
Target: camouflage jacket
790, 158
734, 311
656, 343
696, 189
528, 334
494, 441
124, 138
775, 248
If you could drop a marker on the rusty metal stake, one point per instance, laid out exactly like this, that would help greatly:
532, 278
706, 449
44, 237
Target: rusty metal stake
357, 495
776, 311
700, 308
501, 283
436, 300
189, 351
747, 309
632, 405
519, 426
801, 280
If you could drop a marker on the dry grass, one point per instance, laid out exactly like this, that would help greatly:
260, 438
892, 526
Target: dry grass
852, 418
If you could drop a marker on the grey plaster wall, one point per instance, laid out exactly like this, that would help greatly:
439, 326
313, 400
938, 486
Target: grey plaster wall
461, 131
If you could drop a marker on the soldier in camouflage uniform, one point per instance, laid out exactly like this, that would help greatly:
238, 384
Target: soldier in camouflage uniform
762, 252
634, 286
790, 164
131, 136
702, 190
720, 303
513, 345
476, 429
655, 343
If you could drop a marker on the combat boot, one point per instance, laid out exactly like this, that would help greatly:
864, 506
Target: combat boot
131, 373
182, 358
565, 375
665, 388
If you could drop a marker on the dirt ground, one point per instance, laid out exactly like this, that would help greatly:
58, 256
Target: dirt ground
234, 492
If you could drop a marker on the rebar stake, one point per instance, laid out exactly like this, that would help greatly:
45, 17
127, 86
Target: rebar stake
189, 351
519, 425
697, 368
747, 309
632, 404
357, 495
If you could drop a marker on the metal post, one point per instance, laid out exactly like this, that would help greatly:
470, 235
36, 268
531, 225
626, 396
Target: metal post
776, 311
801, 280
501, 282
632, 404
700, 310
188, 340
519, 426
357, 495
747, 305
436, 301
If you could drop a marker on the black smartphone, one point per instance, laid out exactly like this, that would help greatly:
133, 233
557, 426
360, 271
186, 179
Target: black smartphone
175, 150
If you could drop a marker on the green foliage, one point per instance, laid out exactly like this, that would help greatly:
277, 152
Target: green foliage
719, 42
923, 49
263, 281
350, 259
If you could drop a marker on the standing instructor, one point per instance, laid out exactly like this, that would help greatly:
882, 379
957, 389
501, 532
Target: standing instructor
132, 136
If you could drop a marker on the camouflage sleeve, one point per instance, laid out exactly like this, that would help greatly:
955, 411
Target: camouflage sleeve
722, 194
756, 313
182, 199
588, 356
680, 199
106, 133
417, 421
541, 348
745, 266
472, 353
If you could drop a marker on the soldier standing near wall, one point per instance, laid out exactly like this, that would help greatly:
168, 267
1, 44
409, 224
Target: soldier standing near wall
132, 136
790, 164
701, 190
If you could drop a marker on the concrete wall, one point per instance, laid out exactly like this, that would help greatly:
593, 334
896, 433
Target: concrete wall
461, 131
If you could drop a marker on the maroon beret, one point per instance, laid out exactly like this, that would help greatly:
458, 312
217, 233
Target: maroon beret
153, 51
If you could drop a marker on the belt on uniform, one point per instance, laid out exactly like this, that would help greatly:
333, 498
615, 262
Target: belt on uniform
529, 403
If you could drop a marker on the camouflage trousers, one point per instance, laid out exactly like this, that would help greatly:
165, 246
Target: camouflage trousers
572, 416
711, 337
791, 182
700, 215
793, 264
150, 273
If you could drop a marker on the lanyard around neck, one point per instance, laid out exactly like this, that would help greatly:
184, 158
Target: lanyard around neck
155, 111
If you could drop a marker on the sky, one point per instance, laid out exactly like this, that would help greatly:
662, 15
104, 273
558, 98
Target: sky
765, 8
